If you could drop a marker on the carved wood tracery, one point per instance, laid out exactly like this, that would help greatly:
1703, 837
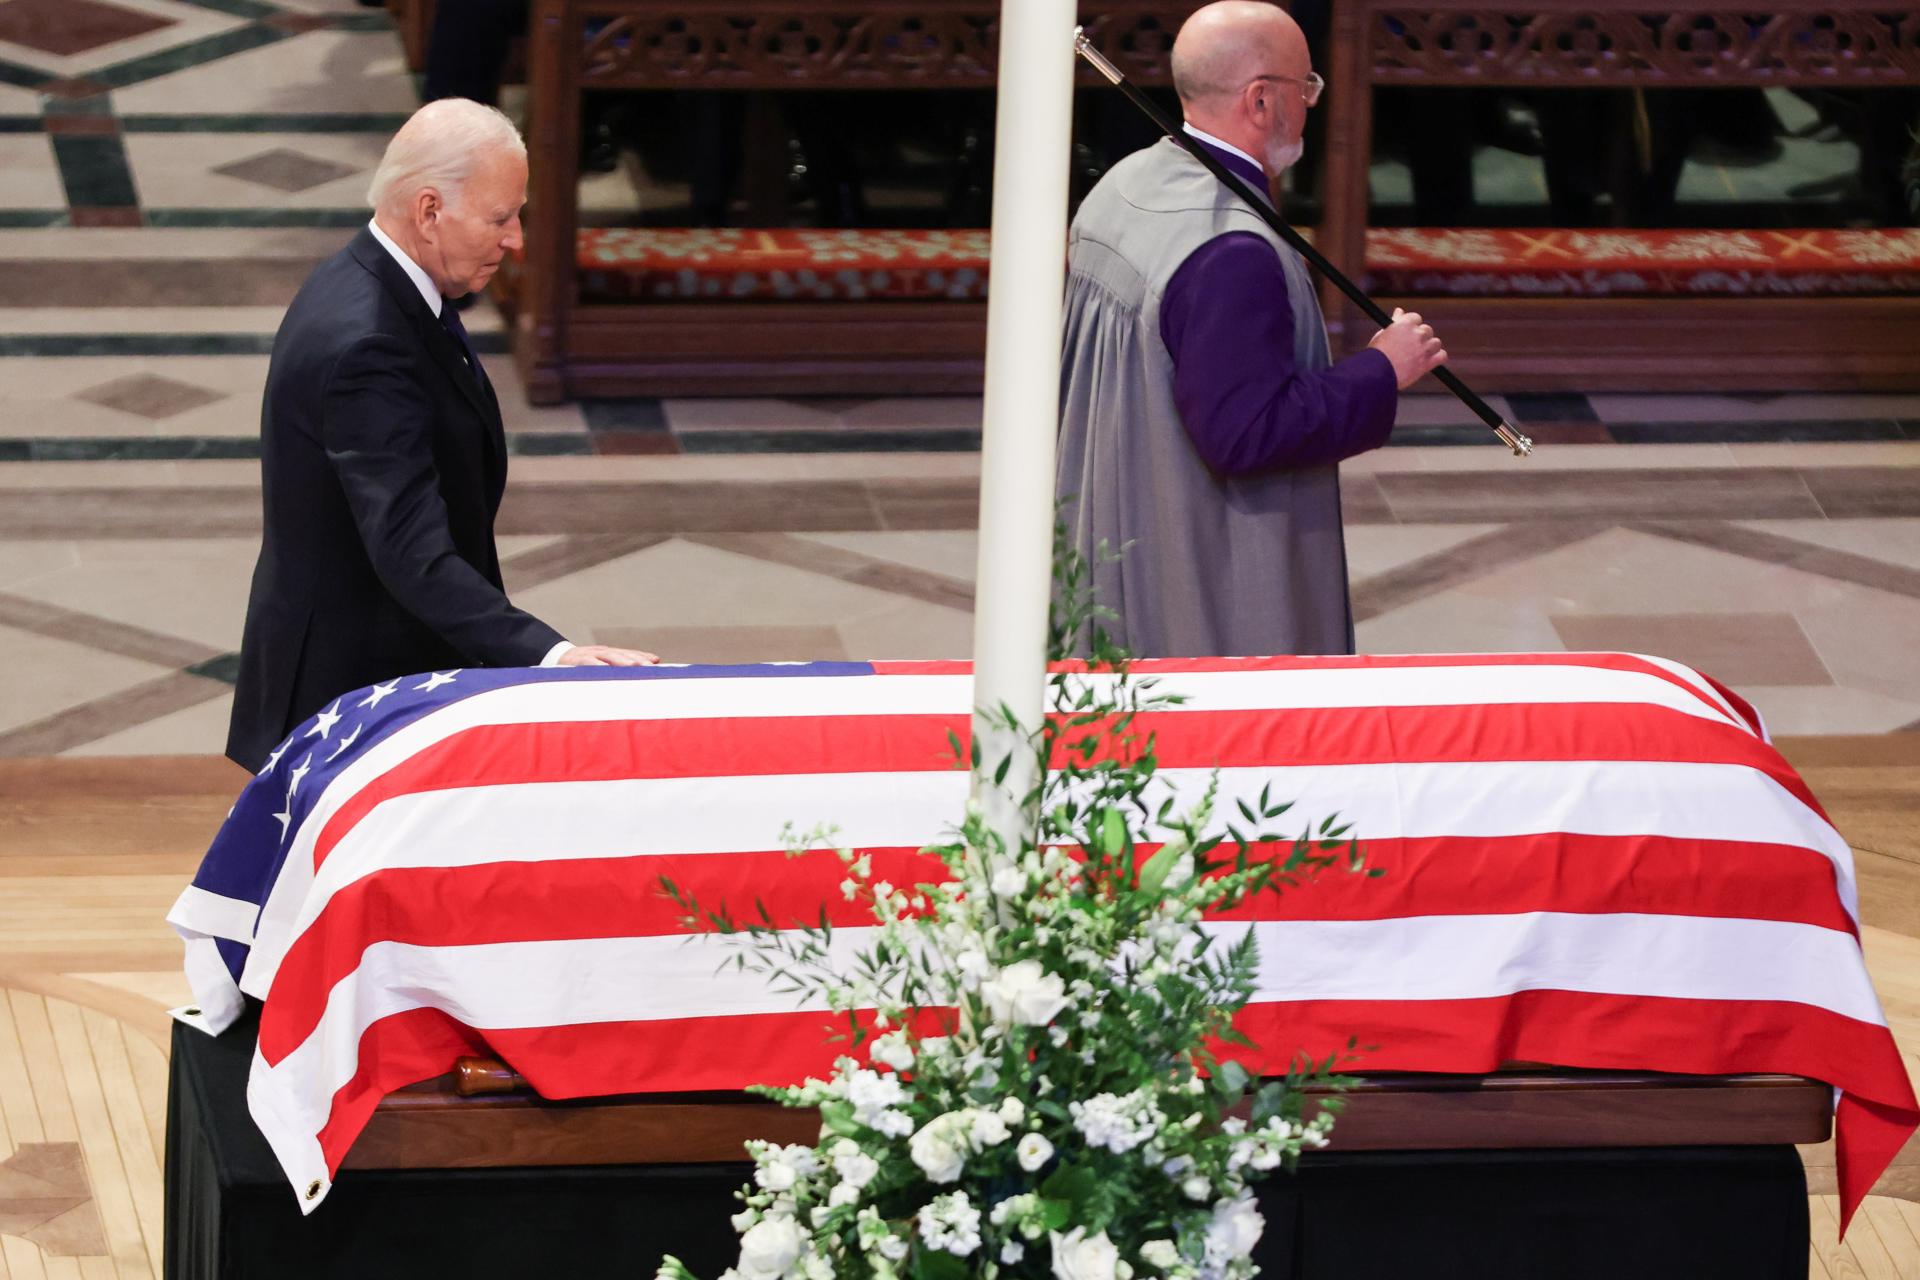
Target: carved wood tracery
1567, 47
848, 46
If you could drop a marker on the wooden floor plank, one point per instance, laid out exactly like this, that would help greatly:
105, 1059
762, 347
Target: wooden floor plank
1816, 1264
149, 1063
1869, 1250
22, 1259
97, 1269
43, 1067
138, 1155
17, 1107
112, 1195
1835, 1253
58, 1268
1895, 1235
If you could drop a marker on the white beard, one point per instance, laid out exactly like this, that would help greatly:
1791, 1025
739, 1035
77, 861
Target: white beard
1280, 159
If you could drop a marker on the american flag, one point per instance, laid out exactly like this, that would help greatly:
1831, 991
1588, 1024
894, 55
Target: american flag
1591, 860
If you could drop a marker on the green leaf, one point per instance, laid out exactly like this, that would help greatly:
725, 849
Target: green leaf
1075, 1184
1153, 875
938, 1264
1113, 834
1055, 1213
1231, 1080
838, 1116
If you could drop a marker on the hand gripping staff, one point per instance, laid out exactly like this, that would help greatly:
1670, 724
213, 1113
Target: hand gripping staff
1508, 433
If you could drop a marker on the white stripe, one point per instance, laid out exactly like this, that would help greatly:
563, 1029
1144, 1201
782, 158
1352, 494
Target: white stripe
1628, 954
198, 910
505, 986
577, 701
626, 818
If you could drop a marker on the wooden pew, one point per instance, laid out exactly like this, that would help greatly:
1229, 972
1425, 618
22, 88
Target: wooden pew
567, 346
1645, 343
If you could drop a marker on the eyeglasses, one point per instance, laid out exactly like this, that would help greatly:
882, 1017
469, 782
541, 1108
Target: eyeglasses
1311, 85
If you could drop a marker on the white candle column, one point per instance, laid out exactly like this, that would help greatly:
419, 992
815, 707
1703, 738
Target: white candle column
1032, 153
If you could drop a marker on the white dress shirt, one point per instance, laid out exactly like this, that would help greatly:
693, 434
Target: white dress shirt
1204, 136
430, 294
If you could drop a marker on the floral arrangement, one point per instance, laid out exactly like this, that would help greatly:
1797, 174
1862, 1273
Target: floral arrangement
1038, 1081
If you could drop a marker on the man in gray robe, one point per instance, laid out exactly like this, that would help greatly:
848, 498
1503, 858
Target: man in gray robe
1202, 420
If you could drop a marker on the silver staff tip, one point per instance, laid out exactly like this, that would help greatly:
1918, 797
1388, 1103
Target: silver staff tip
1522, 447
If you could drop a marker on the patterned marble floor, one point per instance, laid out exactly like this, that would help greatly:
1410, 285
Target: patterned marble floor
169, 172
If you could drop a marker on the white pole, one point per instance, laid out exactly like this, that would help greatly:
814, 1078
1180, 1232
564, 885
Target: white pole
1032, 153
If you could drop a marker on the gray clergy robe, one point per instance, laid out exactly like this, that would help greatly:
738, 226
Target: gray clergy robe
1228, 552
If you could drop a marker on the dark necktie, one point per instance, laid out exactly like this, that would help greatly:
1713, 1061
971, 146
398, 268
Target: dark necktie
451, 319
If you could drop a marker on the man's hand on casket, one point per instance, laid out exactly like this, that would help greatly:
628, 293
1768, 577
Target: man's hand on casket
601, 655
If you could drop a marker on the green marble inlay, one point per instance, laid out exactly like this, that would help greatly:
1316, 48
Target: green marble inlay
135, 344
196, 54
25, 77
304, 122
237, 8
93, 168
256, 217
140, 448
33, 217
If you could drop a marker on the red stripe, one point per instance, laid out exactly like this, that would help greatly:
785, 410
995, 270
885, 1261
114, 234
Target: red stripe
396, 1051
1571, 1029
613, 750
620, 897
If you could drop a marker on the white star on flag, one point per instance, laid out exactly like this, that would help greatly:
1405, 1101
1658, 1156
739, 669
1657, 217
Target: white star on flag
299, 772
286, 818
345, 743
323, 725
274, 759
380, 691
435, 680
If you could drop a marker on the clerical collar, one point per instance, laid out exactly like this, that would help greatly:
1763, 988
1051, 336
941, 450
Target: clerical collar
1259, 182
421, 280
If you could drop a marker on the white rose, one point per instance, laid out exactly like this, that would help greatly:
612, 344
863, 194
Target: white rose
775, 1175
856, 1170
1235, 1228
1011, 1252
892, 1051
988, 1130
973, 966
1160, 1253
770, 1248
843, 1193
1024, 994
935, 1150
1078, 1257
1012, 1110
817, 1267
1008, 882
1196, 1188
1033, 1151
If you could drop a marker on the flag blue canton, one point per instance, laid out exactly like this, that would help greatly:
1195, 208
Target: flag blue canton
245, 857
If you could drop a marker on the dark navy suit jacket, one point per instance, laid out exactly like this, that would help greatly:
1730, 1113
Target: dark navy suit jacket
382, 464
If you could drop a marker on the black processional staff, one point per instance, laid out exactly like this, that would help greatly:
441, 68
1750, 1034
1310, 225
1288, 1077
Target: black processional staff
1507, 432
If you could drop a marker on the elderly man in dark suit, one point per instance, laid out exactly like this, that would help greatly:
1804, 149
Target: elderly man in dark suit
383, 456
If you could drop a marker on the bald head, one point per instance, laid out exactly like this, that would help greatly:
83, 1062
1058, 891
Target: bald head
1226, 44
1238, 66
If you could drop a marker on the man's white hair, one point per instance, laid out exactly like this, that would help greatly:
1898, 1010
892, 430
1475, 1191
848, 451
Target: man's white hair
438, 147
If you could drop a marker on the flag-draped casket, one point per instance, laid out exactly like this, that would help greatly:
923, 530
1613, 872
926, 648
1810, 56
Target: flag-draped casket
1590, 860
